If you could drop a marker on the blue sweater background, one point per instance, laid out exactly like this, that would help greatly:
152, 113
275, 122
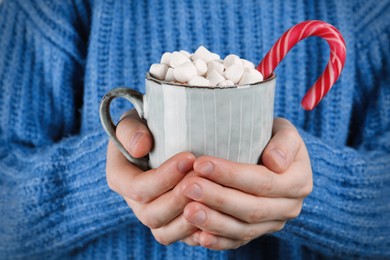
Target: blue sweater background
58, 58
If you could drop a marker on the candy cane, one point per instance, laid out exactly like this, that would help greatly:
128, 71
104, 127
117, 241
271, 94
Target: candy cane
294, 35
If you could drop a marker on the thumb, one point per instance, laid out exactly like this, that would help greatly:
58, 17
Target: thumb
283, 146
132, 132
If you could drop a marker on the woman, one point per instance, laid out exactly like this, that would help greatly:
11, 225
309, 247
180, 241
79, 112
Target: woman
57, 59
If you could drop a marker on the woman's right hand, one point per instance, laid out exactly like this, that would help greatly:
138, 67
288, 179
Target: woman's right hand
153, 195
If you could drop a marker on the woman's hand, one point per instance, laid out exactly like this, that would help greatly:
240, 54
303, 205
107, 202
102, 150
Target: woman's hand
152, 195
234, 203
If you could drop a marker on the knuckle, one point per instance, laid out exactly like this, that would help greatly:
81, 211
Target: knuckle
249, 235
266, 185
294, 212
164, 181
137, 195
279, 226
149, 220
160, 237
297, 212
303, 186
219, 201
258, 214
306, 190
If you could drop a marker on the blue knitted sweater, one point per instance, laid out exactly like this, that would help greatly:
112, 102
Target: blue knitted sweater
58, 58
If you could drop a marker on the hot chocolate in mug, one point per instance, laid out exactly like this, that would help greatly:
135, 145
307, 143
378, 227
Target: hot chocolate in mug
233, 123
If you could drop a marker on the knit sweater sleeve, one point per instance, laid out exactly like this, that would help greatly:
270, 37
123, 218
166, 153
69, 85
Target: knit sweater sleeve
53, 191
348, 212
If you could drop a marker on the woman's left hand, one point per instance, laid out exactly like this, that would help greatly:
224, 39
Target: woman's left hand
234, 203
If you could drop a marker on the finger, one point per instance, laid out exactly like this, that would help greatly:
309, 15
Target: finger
193, 239
133, 134
161, 210
245, 207
176, 230
214, 242
257, 179
129, 181
223, 225
283, 147
119, 168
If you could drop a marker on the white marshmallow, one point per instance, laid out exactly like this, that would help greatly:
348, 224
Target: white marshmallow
226, 83
177, 67
215, 78
201, 67
214, 57
166, 58
198, 81
185, 53
178, 59
158, 70
185, 72
204, 54
170, 75
230, 60
251, 76
214, 65
247, 64
234, 72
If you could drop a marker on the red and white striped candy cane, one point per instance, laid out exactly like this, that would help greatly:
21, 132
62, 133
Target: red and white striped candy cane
294, 35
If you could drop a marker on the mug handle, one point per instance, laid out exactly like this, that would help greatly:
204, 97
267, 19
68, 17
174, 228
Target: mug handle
136, 98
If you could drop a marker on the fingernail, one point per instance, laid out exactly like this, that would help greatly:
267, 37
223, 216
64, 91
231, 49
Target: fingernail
194, 192
279, 156
198, 218
184, 166
134, 140
205, 168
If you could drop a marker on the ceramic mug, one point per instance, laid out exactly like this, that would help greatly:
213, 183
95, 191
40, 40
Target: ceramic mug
234, 123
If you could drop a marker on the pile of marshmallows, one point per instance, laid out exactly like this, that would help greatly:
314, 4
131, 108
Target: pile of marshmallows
204, 68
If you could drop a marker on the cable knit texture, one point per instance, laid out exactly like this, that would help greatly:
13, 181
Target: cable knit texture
58, 58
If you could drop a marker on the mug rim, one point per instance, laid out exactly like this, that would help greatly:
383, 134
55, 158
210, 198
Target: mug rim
151, 78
